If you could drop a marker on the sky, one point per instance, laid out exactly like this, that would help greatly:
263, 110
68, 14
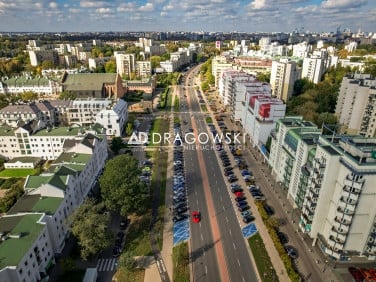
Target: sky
187, 15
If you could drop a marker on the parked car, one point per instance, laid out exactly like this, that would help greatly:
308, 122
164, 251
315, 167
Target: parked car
246, 213
179, 217
243, 208
356, 274
282, 237
123, 224
291, 252
268, 209
248, 218
241, 203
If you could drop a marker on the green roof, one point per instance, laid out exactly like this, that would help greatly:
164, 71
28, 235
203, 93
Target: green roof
88, 81
6, 131
34, 182
47, 205
59, 131
12, 250
73, 158
36, 203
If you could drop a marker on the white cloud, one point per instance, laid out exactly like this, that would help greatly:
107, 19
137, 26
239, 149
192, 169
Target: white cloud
126, 7
163, 14
257, 4
334, 4
93, 4
53, 5
74, 11
148, 7
103, 10
168, 7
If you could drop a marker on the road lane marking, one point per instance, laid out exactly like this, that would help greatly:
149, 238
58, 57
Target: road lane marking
234, 245
238, 262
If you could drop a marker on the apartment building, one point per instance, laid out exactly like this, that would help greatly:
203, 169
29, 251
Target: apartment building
25, 83
356, 105
113, 119
35, 140
293, 142
219, 64
313, 68
143, 69
125, 64
226, 85
338, 209
15, 115
260, 114
282, 78
301, 50
39, 56
34, 230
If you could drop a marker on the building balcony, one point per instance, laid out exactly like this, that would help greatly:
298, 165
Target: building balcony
351, 190
351, 182
348, 201
339, 229
306, 218
312, 199
345, 211
342, 221
337, 241
350, 196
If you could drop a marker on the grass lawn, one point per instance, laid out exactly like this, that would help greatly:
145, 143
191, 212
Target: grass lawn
263, 263
176, 104
169, 101
209, 120
203, 108
124, 275
17, 173
180, 257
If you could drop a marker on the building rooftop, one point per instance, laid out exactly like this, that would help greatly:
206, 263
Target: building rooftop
88, 81
73, 158
59, 181
24, 160
36, 203
12, 250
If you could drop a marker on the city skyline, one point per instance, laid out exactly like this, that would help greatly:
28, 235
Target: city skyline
187, 15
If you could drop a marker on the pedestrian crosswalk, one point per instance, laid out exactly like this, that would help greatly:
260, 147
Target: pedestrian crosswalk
106, 264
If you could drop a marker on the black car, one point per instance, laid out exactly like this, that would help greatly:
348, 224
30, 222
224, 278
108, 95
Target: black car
232, 178
228, 173
291, 252
236, 189
226, 164
268, 209
248, 218
238, 199
228, 168
282, 237
116, 252
243, 208
241, 203
179, 217
180, 210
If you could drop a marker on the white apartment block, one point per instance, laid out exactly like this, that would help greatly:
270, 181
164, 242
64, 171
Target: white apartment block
30, 140
339, 209
301, 50
83, 111
169, 66
37, 57
226, 84
219, 64
260, 115
313, 68
143, 69
113, 119
293, 142
21, 84
35, 225
282, 78
96, 62
125, 64
14, 115
356, 105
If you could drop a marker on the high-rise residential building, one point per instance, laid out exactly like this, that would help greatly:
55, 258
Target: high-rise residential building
282, 78
125, 64
220, 63
293, 142
339, 210
37, 57
143, 69
356, 105
313, 68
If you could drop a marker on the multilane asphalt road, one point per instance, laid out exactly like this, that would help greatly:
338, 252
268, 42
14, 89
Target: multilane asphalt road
235, 248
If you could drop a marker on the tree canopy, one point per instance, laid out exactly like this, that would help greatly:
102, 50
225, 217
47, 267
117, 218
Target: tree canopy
89, 225
121, 188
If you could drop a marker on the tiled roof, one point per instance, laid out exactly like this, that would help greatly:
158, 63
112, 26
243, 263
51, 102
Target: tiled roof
88, 81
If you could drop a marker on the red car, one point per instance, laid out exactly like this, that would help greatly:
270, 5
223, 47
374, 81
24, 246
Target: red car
356, 274
196, 216
239, 194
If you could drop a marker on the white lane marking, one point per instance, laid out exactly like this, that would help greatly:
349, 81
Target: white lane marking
229, 231
234, 246
226, 219
220, 198
206, 269
238, 262
202, 237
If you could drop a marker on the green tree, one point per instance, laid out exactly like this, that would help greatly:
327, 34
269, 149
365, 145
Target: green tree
89, 225
127, 261
155, 61
121, 188
15, 191
116, 144
302, 85
66, 95
129, 129
47, 64
29, 96
327, 118
110, 66
263, 76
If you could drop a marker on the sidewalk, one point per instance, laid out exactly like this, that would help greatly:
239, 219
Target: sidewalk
152, 271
